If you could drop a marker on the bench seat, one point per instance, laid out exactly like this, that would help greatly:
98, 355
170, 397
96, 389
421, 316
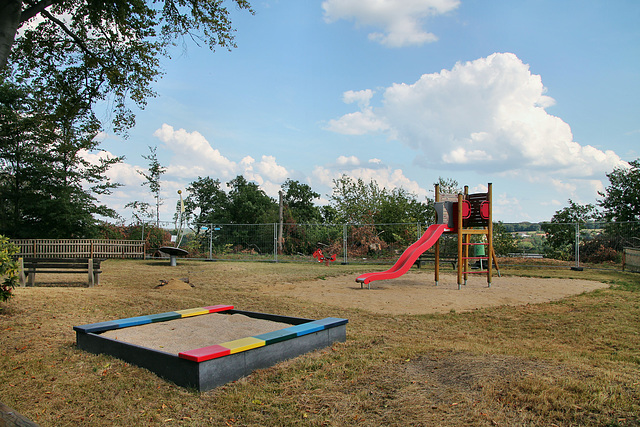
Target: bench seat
29, 266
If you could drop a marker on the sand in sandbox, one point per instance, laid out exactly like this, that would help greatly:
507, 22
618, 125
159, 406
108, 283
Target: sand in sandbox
190, 333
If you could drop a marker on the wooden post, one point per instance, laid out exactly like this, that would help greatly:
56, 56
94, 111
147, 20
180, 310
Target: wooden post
437, 245
90, 268
460, 237
467, 240
23, 279
490, 236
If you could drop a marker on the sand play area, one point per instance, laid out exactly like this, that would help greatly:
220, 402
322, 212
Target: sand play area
413, 293
416, 293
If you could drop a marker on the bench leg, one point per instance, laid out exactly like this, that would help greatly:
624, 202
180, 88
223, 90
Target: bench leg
32, 277
90, 269
23, 279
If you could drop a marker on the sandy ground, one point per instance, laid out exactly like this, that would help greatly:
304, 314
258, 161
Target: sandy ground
194, 332
413, 293
416, 293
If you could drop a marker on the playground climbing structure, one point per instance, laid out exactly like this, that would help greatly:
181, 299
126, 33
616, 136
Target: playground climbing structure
465, 215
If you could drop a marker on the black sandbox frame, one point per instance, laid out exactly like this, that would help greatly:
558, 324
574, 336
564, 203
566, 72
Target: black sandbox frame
211, 367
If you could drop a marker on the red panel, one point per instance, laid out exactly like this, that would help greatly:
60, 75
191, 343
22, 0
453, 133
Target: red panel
217, 308
484, 210
466, 209
205, 353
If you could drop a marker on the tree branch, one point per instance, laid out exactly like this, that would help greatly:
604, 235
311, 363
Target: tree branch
35, 9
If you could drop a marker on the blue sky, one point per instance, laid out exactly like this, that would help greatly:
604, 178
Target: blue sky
540, 98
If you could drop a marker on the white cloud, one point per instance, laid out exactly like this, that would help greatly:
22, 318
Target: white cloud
401, 21
385, 176
358, 123
486, 116
362, 97
193, 155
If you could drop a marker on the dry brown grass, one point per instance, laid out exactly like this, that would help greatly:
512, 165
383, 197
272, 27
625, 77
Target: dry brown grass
572, 362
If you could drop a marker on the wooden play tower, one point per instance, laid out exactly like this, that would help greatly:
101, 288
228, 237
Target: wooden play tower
467, 215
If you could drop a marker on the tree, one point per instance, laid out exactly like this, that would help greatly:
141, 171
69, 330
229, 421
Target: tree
448, 186
358, 202
112, 48
155, 172
561, 231
249, 204
354, 200
208, 199
47, 185
298, 202
503, 241
622, 197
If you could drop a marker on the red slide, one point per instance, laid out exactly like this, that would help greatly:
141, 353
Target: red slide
408, 257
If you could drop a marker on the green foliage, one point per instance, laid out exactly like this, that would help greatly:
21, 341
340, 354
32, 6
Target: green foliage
207, 203
245, 203
561, 231
47, 183
152, 177
622, 197
503, 241
112, 49
366, 203
298, 202
8, 268
449, 186
249, 204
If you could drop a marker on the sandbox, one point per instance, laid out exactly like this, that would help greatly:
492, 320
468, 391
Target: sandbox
173, 355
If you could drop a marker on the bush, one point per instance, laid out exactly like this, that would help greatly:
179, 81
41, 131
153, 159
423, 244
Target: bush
8, 268
597, 251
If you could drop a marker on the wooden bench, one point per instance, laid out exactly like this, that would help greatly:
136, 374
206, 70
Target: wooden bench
89, 266
430, 257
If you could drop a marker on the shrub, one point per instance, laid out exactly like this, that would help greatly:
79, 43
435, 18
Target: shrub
8, 268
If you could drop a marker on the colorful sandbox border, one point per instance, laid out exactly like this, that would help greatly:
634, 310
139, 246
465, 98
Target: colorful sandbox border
217, 350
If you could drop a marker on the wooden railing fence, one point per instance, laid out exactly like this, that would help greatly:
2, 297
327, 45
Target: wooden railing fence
79, 248
631, 260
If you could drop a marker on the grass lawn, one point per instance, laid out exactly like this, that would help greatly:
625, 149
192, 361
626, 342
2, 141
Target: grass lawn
570, 362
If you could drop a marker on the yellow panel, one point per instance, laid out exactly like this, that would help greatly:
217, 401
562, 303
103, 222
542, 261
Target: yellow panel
243, 344
192, 312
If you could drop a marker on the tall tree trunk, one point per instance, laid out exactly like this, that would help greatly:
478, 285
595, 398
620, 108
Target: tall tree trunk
10, 12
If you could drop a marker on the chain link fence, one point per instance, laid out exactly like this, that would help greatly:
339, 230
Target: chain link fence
570, 244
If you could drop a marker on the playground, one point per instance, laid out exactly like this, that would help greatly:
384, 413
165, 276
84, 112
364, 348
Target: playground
567, 359
429, 346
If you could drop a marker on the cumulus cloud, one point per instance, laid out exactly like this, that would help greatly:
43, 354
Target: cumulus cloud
192, 154
401, 21
486, 116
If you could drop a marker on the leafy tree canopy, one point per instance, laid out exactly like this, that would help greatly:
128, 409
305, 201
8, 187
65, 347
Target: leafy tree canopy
298, 201
207, 203
622, 197
561, 231
110, 48
358, 202
47, 186
249, 204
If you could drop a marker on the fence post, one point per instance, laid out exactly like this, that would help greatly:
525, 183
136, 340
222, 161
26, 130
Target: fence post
345, 259
275, 242
210, 241
577, 249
